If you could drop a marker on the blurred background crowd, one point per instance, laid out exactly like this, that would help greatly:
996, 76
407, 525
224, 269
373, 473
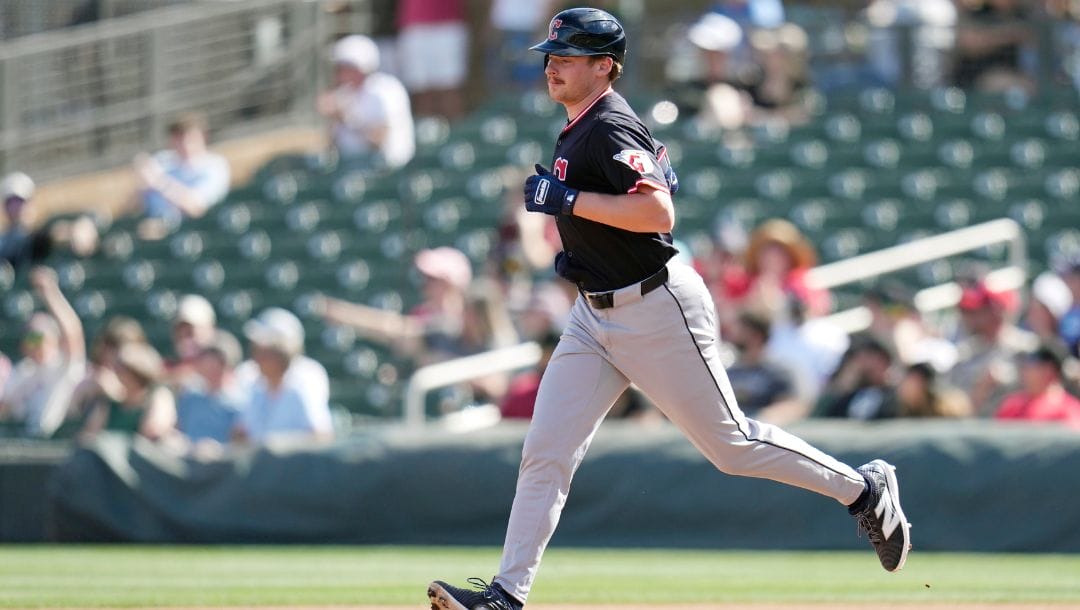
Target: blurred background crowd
361, 217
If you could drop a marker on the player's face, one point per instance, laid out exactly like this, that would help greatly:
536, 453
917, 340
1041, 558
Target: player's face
572, 79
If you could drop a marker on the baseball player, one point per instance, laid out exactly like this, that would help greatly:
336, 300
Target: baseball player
641, 318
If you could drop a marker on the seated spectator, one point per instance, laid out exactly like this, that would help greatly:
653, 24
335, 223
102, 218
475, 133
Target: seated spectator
777, 260
1042, 396
143, 406
433, 329
520, 398
920, 394
38, 392
862, 387
183, 181
992, 37
899, 325
370, 120
1050, 301
101, 371
20, 244
811, 348
763, 389
988, 353
208, 411
193, 330
1069, 326
289, 393
433, 48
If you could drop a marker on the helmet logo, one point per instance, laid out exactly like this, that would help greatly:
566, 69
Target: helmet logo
555, 24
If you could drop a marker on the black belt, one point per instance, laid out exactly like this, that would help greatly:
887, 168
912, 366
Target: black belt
606, 300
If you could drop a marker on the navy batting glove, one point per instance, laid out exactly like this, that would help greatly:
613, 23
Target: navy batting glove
544, 193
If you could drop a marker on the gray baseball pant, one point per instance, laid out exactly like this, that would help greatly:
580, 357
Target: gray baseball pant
665, 342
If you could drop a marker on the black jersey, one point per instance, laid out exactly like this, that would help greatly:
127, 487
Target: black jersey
607, 149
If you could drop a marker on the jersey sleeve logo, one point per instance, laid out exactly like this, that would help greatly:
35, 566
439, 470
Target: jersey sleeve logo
559, 169
637, 160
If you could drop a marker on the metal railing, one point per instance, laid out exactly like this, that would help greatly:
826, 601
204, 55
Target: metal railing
92, 96
872, 264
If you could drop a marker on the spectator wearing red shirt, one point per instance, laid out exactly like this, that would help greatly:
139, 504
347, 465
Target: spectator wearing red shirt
1043, 397
777, 260
433, 51
520, 398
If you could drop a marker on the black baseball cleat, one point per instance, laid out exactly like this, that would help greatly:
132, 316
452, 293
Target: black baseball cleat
881, 517
482, 597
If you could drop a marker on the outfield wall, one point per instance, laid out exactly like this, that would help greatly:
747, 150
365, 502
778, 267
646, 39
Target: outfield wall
966, 486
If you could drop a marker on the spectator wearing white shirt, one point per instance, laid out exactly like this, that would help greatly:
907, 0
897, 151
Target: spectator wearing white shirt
369, 111
185, 180
289, 392
38, 392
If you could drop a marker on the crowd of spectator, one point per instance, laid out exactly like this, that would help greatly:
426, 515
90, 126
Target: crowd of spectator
999, 356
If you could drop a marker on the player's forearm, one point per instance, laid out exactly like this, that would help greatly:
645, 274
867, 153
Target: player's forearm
642, 212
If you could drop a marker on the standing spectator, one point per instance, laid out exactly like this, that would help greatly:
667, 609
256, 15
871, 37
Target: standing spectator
763, 389
433, 48
371, 121
1069, 327
20, 244
143, 406
1042, 396
862, 387
720, 96
39, 390
193, 330
208, 411
987, 355
992, 39
183, 181
514, 23
289, 392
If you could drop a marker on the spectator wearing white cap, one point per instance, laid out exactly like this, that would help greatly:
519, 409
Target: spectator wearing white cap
368, 110
193, 329
1050, 301
289, 392
20, 243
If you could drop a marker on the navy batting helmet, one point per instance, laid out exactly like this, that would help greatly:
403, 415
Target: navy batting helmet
584, 31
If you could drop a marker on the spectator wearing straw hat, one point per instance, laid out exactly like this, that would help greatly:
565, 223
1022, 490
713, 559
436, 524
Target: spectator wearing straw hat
777, 259
290, 392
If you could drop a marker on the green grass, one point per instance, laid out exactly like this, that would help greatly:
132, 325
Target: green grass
125, 576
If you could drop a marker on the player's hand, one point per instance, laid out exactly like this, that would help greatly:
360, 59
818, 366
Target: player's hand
544, 193
669, 172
